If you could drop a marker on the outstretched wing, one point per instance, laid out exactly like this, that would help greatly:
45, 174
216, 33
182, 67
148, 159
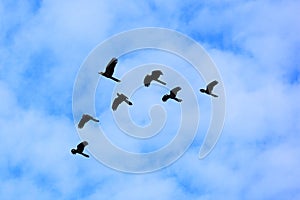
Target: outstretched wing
80, 146
110, 68
85, 118
156, 74
117, 101
147, 80
175, 90
211, 86
85, 143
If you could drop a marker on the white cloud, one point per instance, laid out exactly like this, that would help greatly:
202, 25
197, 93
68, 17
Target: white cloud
255, 46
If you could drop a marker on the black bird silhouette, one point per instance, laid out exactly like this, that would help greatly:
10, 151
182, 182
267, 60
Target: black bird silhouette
153, 77
84, 119
80, 148
172, 95
109, 70
119, 99
209, 88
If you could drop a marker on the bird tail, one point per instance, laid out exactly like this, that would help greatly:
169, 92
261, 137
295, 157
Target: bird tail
115, 79
85, 155
179, 100
161, 82
214, 95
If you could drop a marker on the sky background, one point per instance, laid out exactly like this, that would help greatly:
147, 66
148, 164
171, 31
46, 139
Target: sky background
255, 45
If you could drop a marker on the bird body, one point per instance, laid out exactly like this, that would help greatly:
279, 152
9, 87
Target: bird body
209, 88
109, 70
119, 99
80, 149
172, 95
153, 77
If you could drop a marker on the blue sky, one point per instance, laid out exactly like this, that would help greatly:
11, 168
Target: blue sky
255, 45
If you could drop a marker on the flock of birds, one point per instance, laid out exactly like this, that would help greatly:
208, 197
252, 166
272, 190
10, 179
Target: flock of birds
154, 76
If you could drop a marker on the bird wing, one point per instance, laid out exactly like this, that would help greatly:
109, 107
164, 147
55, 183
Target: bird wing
81, 123
85, 143
117, 101
85, 118
122, 97
110, 68
81, 145
175, 90
211, 86
156, 74
147, 80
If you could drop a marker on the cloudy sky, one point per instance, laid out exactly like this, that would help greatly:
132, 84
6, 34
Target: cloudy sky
254, 44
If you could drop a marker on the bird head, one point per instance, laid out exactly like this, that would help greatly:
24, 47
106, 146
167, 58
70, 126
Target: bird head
202, 90
164, 98
73, 151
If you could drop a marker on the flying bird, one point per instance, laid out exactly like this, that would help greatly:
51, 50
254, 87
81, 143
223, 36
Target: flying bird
153, 77
80, 148
209, 88
119, 99
172, 95
109, 70
84, 119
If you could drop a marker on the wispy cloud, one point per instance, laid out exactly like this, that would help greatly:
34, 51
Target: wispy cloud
255, 46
